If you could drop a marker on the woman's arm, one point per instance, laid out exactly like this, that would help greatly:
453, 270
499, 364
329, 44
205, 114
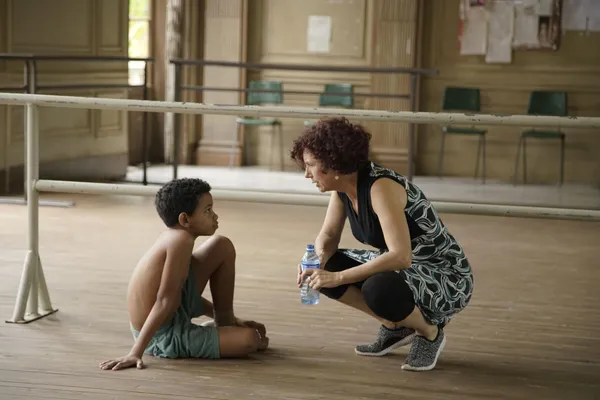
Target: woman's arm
388, 199
328, 239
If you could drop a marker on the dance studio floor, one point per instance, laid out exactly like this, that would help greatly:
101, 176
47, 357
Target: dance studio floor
530, 332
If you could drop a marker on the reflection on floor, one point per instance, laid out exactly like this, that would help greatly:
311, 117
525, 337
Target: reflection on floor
446, 189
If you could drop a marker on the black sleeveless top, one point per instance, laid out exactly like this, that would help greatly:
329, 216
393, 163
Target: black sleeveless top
429, 237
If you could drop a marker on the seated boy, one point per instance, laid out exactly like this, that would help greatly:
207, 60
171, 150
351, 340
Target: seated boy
165, 290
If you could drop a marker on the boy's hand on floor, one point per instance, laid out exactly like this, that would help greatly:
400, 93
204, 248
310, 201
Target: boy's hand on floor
262, 331
123, 362
256, 325
264, 343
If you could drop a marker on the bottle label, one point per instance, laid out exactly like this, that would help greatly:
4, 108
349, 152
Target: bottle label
314, 264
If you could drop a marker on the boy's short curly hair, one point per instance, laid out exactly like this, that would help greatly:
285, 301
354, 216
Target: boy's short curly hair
179, 196
340, 145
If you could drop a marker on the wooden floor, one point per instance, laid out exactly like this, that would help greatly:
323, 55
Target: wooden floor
531, 330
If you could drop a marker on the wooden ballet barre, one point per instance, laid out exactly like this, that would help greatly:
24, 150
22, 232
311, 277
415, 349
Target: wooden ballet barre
305, 67
256, 90
419, 117
15, 88
57, 186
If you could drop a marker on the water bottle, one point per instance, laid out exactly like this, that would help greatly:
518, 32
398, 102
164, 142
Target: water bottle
309, 260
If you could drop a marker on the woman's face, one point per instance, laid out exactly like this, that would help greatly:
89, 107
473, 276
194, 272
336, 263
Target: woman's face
313, 170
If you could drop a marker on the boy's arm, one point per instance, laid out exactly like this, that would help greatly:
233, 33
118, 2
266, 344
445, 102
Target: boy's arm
168, 297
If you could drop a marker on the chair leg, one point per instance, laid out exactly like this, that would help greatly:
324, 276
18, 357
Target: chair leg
441, 159
484, 159
281, 167
232, 152
272, 142
524, 161
562, 159
478, 157
516, 172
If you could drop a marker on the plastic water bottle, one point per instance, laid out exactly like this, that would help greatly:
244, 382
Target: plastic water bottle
309, 260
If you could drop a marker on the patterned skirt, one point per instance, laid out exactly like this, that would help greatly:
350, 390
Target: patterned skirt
441, 287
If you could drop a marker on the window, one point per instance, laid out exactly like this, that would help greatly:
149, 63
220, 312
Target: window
139, 38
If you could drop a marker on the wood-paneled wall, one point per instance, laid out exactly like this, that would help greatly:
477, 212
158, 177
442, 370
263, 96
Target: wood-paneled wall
395, 33
82, 144
224, 39
574, 68
364, 33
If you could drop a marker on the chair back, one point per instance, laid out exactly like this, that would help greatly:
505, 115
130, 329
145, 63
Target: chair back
461, 99
340, 100
544, 102
272, 94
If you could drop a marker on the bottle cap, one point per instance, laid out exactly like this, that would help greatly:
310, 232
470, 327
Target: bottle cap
310, 247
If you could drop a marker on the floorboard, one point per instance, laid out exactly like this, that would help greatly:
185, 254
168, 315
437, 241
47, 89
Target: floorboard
531, 330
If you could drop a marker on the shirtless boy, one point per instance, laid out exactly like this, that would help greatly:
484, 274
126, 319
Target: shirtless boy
165, 291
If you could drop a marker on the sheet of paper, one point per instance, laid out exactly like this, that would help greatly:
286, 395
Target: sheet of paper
593, 9
573, 15
580, 15
474, 35
593, 24
544, 7
593, 13
318, 36
500, 32
526, 27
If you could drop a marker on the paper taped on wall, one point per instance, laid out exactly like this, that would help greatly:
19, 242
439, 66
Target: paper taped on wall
500, 32
581, 15
474, 35
318, 35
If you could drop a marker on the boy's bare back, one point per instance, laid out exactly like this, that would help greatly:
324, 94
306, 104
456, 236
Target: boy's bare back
146, 278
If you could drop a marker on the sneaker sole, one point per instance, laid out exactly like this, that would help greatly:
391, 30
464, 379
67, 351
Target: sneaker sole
388, 349
407, 367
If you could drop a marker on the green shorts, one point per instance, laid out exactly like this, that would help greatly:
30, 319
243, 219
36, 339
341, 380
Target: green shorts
180, 338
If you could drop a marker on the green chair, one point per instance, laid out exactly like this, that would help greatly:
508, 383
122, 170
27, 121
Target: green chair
269, 92
335, 100
549, 103
463, 99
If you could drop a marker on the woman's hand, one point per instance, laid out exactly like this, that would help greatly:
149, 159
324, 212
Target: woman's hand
320, 278
323, 258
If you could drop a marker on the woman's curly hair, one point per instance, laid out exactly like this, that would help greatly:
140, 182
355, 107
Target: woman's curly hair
336, 142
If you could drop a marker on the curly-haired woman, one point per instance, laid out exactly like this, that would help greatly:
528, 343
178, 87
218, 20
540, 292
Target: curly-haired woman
417, 278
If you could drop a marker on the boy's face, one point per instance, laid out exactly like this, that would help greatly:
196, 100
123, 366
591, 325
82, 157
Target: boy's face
203, 221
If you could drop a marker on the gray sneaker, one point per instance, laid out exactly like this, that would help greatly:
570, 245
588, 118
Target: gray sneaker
424, 353
387, 340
